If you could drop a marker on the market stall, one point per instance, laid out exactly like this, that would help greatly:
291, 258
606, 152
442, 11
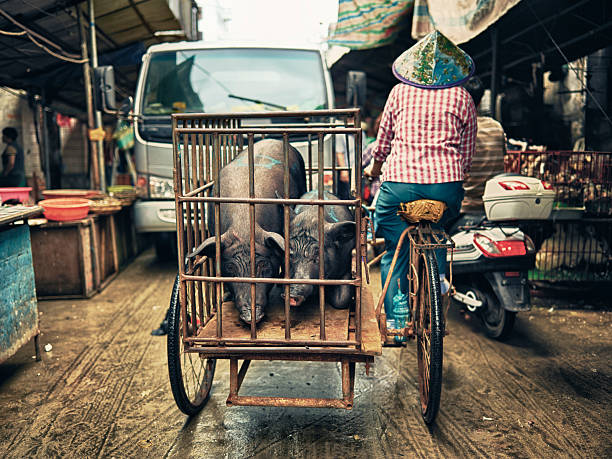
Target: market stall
18, 305
78, 255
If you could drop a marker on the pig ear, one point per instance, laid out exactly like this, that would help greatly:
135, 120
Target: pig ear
207, 248
280, 206
340, 232
275, 241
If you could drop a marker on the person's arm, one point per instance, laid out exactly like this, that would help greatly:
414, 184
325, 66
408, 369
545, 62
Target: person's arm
468, 136
12, 153
384, 137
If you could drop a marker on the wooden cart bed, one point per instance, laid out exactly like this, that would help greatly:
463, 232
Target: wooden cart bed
305, 324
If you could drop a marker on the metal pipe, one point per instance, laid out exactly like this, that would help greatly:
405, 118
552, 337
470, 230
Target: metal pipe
251, 162
307, 202
272, 342
275, 130
359, 248
320, 227
398, 248
305, 353
199, 189
217, 172
278, 114
246, 400
309, 168
286, 229
87, 75
98, 113
242, 373
180, 226
273, 280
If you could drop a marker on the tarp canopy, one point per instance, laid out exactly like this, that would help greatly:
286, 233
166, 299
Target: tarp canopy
459, 21
548, 31
364, 24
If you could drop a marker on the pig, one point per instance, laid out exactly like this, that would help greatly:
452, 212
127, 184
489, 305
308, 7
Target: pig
339, 240
235, 236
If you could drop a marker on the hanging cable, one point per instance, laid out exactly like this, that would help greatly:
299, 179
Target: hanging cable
585, 87
12, 34
54, 54
38, 36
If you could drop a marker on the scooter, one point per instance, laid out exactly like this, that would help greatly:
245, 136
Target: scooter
490, 265
492, 256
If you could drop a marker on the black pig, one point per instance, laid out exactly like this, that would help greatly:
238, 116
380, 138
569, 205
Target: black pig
339, 240
235, 236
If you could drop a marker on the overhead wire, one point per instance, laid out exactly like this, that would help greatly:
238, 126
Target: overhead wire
585, 87
37, 38
12, 34
54, 54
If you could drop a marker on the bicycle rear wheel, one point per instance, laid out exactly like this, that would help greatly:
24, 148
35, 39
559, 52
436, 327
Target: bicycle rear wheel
429, 328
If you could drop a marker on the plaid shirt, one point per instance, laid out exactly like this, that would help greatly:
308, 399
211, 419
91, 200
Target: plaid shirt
427, 135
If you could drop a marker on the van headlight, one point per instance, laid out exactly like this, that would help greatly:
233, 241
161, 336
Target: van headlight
160, 187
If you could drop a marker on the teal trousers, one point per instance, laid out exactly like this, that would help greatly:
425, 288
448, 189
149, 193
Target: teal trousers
390, 226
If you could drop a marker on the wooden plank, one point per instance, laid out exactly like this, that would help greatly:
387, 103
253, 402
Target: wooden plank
10, 214
304, 323
370, 334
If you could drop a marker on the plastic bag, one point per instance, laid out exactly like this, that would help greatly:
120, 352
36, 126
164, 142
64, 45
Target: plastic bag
124, 135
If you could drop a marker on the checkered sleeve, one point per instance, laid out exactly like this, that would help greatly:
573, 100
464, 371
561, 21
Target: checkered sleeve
468, 136
385, 129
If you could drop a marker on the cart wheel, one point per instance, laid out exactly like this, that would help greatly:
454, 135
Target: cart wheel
190, 376
497, 321
429, 325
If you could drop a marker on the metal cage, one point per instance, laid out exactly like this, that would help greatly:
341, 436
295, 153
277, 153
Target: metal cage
203, 145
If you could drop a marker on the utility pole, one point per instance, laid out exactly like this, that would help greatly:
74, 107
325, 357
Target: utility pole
495, 70
94, 174
98, 114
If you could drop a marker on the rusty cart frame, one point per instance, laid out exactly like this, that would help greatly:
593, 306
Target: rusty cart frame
203, 327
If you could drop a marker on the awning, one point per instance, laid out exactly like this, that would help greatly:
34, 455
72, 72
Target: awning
532, 31
363, 24
459, 21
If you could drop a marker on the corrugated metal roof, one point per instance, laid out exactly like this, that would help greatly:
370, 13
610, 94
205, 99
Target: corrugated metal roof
119, 23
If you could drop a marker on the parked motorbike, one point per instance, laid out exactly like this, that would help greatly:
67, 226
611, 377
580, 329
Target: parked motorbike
490, 265
492, 256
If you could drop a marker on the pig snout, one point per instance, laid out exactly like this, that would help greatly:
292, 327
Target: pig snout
299, 293
244, 309
295, 299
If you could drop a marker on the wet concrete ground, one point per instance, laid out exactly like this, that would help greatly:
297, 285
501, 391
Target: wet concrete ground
103, 390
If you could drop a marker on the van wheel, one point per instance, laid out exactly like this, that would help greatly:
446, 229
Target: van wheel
165, 246
497, 321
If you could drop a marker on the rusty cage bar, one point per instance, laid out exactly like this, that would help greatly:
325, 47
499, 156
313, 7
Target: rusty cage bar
203, 144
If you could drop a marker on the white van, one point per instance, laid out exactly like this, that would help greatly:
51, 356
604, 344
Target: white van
212, 78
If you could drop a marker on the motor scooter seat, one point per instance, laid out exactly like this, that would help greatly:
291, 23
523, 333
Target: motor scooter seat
422, 210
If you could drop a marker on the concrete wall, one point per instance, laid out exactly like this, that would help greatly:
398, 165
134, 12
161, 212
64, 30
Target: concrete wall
15, 112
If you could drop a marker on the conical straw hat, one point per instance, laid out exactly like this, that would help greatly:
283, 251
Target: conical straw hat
433, 62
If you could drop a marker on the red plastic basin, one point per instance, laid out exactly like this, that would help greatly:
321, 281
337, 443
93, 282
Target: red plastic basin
65, 209
19, 193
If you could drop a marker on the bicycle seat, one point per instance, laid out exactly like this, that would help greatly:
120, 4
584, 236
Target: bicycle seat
422, 210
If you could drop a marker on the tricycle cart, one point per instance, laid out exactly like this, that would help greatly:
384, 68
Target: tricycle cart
203, 327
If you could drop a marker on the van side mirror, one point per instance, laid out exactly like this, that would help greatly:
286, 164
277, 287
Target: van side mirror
104, 78
356, 88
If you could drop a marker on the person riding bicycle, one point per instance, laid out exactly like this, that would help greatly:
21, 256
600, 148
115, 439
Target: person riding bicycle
426, 137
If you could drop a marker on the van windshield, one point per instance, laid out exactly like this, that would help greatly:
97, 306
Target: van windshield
234, 80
